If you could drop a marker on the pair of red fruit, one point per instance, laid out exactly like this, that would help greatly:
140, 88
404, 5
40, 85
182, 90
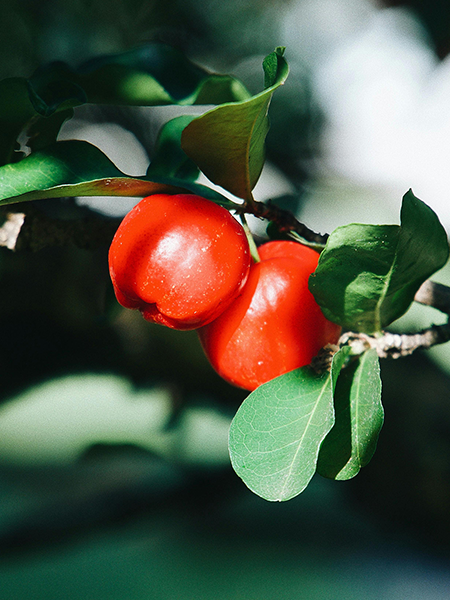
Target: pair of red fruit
185, 262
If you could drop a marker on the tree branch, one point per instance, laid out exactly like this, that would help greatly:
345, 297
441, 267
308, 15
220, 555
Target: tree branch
26, 227
392, 345
284, 220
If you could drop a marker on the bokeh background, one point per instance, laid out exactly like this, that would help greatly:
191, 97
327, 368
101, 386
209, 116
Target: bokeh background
115, 481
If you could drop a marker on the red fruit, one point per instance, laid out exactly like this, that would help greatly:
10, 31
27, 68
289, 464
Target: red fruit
181, 260
275, 325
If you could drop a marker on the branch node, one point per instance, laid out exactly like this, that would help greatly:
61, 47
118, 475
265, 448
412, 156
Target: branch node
393, 345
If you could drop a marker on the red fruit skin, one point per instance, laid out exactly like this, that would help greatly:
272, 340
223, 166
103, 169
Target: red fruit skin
275, 325
180, 259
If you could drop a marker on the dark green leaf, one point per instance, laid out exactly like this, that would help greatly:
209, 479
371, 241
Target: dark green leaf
44, 131
77, 168
271, 67
169, 159
368, 274
227, 142
16, 110
154, 74
422, 250
276, 434
59, 94
359, 417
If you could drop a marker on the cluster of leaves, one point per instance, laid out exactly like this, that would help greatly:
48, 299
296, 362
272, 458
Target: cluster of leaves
226, 143
302, 422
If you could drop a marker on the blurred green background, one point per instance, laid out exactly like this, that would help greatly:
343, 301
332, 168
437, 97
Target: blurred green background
115, 481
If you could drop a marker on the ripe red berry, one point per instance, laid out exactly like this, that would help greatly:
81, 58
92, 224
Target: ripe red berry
181, 260
275, 325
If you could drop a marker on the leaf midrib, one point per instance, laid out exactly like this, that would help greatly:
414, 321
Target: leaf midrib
386, 287
300, 443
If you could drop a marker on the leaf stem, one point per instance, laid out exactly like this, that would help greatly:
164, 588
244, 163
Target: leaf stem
251, 241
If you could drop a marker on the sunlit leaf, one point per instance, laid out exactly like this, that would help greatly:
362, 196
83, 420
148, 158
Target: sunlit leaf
227, 142
359, 417
77, 168
368, 274
277, 432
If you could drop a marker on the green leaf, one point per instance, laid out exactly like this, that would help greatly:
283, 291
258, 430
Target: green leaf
227, 142
43, 131
77, 168
55, 95
271, 67
367, 275
22, 106
155, 74
359, 417
169, 159
276, 434
16, 110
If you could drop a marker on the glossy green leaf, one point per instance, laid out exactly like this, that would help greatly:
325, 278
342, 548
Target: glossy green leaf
276, 434
227, 142
368, 274
169, 159
359, 417
77, 168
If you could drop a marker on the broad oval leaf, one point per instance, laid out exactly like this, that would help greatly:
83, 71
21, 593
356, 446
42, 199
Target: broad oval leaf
359, 417
276, 434
367, 275
77, 168
227, 142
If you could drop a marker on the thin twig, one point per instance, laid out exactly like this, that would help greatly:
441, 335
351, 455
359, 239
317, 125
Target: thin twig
434, 294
